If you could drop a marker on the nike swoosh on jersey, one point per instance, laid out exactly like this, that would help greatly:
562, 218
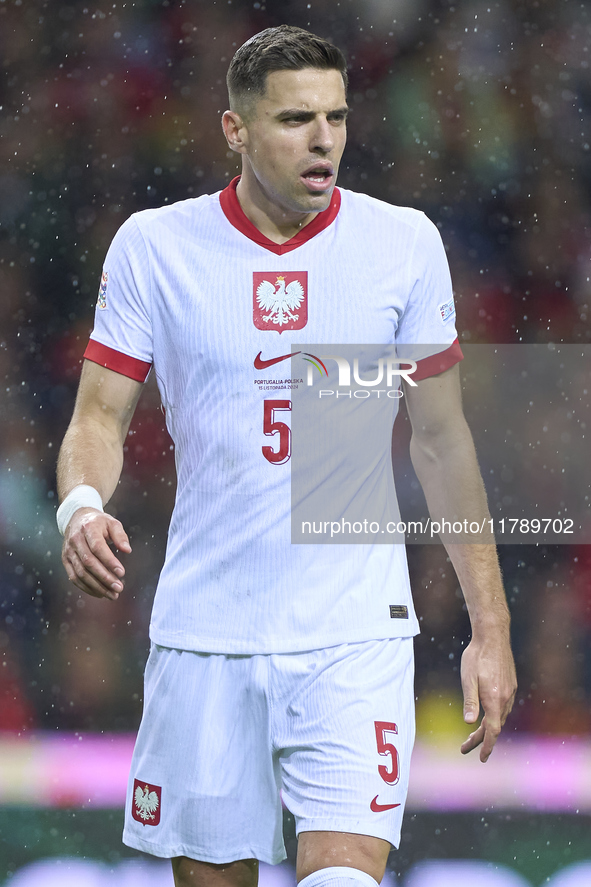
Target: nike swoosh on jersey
260, 364
377, 808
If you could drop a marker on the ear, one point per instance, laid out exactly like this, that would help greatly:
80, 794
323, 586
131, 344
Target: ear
235, 131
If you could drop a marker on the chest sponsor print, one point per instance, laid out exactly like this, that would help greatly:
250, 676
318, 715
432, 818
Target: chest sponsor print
280, 300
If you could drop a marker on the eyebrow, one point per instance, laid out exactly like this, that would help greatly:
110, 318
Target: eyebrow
300, 114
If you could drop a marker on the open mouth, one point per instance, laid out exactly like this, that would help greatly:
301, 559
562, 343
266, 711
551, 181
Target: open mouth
318, 178
317, 175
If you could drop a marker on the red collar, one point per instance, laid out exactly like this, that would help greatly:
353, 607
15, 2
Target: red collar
237, 217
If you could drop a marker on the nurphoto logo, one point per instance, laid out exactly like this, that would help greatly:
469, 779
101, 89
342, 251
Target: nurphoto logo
389, 371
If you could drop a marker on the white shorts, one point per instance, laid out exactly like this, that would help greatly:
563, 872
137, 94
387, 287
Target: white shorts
224, 738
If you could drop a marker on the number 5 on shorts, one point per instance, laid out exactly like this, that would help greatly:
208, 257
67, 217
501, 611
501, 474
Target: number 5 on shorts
271, 427
391, 776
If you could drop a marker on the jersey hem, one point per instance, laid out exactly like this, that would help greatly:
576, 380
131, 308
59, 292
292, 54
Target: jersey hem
231, 648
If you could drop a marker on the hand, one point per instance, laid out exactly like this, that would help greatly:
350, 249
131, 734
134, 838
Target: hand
89, 562
488, 679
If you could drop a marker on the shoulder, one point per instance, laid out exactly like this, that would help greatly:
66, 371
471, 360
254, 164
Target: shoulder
404, 233
165, 228
182, 214
365, 209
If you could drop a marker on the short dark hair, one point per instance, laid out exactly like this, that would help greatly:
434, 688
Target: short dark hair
285, 48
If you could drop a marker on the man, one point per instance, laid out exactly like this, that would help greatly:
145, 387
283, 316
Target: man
274, 666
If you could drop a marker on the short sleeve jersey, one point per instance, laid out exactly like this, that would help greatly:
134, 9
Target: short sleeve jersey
195, 291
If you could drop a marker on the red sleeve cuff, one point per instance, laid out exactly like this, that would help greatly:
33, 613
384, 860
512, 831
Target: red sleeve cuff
116, 361
438, 363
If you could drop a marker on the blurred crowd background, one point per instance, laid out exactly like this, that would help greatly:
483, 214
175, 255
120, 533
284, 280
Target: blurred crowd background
476, 112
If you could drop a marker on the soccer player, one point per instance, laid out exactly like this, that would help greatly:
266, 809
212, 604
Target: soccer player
275, 667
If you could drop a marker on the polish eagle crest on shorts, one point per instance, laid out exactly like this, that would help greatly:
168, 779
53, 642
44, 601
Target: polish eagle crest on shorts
280, 300
146, 802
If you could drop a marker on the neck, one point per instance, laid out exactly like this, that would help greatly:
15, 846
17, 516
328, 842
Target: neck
278, 224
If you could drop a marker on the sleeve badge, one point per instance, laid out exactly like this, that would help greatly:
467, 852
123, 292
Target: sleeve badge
447, 310
102, 293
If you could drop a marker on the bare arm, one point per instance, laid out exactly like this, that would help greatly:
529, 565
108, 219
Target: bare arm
92, 453
444, 459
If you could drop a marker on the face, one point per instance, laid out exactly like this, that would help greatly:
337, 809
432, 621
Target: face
294, 139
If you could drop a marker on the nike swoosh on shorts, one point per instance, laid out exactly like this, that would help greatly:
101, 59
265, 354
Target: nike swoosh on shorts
377, 808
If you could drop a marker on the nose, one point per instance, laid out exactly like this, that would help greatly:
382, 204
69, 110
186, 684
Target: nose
322, 138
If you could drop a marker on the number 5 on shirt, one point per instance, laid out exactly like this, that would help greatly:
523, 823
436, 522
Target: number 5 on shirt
392, 775
271, 427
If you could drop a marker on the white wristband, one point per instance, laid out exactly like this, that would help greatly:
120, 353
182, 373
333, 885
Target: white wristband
82, 496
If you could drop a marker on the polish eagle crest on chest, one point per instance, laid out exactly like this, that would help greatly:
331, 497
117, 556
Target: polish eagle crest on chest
280, 301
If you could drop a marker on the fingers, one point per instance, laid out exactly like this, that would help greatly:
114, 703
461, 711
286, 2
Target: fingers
471, 701
119, 537
90, 563
473, 740
486, 735
96, 538
469, 677
85, 581
488, 679
491, 734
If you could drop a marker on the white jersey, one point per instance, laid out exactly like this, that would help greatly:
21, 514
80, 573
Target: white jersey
195, 290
